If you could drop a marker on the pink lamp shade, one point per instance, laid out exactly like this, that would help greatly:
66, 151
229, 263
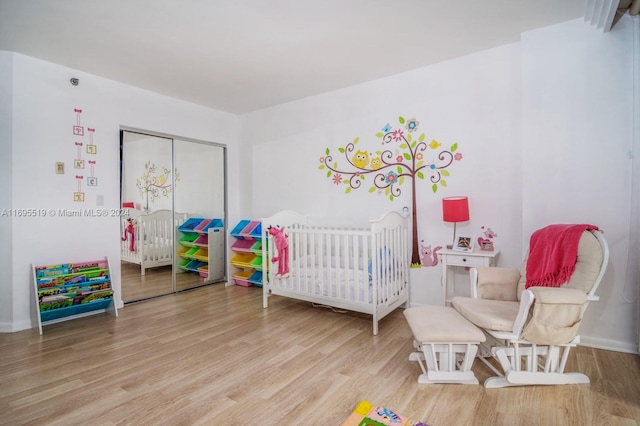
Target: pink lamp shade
455, 209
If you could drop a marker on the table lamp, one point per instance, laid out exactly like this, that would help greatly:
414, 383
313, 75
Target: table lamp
455, 209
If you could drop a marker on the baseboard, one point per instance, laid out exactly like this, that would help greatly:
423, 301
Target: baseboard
12, 327
608, 344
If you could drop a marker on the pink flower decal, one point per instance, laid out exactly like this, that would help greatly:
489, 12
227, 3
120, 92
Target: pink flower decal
337, 178
397, 135
457, 156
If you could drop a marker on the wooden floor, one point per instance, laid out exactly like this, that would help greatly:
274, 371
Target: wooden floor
214, 356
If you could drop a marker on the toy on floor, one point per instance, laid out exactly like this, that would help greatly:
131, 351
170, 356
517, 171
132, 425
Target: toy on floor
129, 232
282, 245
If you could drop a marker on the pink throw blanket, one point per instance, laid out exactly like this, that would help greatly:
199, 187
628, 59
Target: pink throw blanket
553, 251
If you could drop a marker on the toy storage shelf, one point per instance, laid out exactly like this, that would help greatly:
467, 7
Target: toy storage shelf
72, 290
200, 248
247, 256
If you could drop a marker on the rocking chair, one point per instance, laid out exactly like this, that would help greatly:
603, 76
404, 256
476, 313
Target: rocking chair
531, 331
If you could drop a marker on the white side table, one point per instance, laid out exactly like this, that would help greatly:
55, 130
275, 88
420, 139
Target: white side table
451, 258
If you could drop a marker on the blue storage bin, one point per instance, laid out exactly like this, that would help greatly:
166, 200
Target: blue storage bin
235, 232
190, 224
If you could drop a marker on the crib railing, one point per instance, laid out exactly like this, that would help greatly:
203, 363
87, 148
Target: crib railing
356, 264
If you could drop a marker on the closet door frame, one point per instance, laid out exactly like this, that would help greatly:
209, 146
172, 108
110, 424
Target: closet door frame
173, 139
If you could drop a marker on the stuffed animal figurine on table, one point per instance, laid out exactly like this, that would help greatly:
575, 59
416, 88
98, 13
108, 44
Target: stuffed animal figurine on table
129, 232
282, 245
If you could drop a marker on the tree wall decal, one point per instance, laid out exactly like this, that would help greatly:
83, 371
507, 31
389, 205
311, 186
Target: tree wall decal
402, 156
153, 184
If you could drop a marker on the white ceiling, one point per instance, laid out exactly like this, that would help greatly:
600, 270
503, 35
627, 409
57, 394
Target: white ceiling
243, 55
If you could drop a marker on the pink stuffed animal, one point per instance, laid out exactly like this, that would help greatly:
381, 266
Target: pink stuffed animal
129, 232
282, 245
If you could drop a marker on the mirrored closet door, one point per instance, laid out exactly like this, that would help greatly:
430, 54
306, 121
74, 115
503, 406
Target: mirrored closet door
199, 203
173, 237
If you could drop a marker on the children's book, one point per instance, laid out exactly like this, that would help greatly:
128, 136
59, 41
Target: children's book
368, 414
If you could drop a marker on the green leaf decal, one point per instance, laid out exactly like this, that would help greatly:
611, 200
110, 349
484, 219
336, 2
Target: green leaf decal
434, 188
443, 182
345, 181
341, 150
335, 165
386, 191
444, 172
403, 146
420, 175
356, 140
421, 138
406, 156
326, 152
328, 173
348, 190
399, 170
409, 137
413, 145
454, 147
391, 197
379, 134
420, 163
401, 120
321, 166
372, 189
401, 180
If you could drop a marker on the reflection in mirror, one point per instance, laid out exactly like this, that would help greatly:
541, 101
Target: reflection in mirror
168, 185
199, 197
146, 247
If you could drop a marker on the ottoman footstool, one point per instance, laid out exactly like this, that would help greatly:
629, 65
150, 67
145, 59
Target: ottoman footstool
446, 341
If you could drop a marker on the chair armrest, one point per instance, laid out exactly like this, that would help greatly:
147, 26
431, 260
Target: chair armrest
495, 283
559, 295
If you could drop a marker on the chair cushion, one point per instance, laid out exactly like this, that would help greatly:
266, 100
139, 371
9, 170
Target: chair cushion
498, 315
556, 315
497, 283
440, 324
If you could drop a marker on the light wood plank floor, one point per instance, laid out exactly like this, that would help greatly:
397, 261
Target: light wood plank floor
214, 356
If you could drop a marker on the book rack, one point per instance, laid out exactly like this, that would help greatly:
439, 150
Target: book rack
72, 290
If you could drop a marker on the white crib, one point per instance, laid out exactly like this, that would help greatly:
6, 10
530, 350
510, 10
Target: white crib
358, 269
153, 238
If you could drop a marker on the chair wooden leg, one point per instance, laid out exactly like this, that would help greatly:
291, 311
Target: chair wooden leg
445, 362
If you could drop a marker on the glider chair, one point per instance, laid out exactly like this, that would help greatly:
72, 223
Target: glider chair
531, 325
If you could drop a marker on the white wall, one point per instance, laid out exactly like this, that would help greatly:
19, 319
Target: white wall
6, 221
543, 126
473, 100
577, 138
43, 116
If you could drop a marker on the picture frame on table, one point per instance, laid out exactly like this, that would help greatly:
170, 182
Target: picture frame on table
485, 244
464, 243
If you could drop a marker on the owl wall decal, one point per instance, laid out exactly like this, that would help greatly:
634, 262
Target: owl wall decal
361, 159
